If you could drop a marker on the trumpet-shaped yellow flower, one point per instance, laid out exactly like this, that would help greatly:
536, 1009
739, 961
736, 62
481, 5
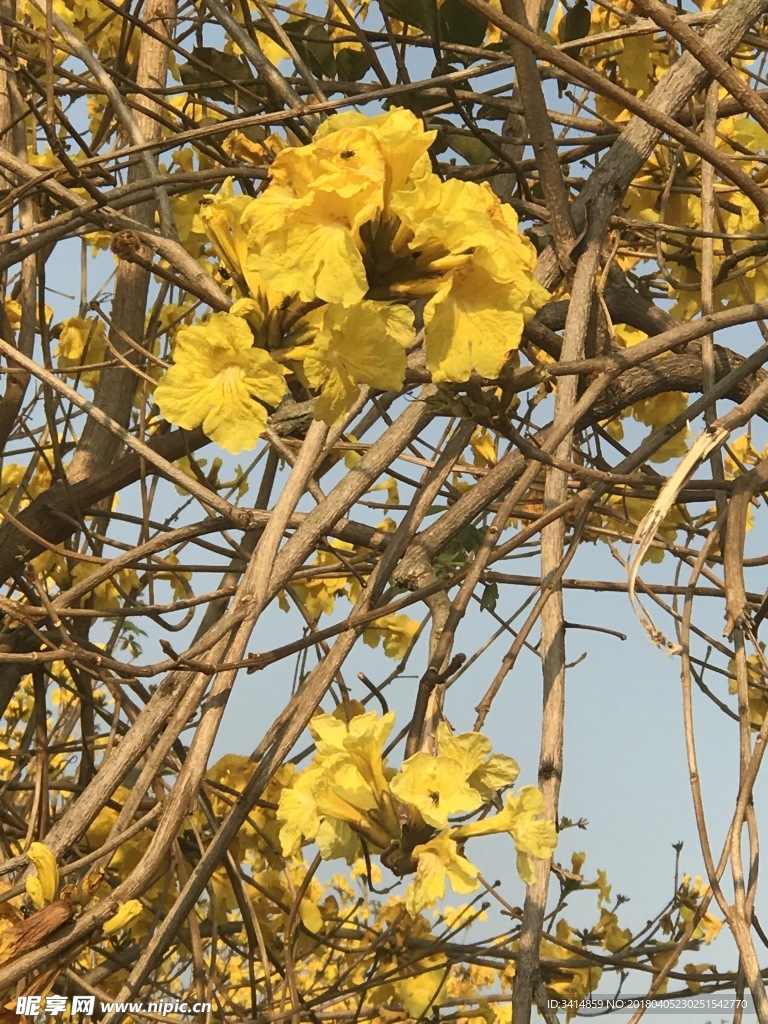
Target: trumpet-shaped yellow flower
520, 817
335, 839
81, 342
689, 895
341, 791
436, 786
477, 310
109, 593
297, 813
484, 771
328, 802
462, 777
43, 886
425, 990
463, 218
401, 138
221, 381
472, 324
221, 217
569, 983
233, 771
127, 912
439, 861
359, 207
362, 738
304, 231
396, 632
611, 935
362, 345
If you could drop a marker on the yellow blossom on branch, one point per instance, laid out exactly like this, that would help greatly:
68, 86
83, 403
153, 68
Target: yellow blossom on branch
436, 786
485, 772
43, 885
362, 345
128, 912
521, 818
362, 737
396, 632
221, 215
568, 983
425, 990
438, 862
304, 230
220, 380
459, 779
486, 291
358, 214
81, 342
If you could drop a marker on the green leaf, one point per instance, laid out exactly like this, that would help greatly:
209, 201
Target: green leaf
474, 150
490, 597
491, 112
421, 13
351, 65
461, 24
211, 65
313, 44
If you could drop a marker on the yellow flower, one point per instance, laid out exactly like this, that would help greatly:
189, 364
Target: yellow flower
362, 345
476, 313
438, 861
81, 341
397, 632
333, 804
573, 983
468, 327
695, 974
466, 219
362, 738
436, 786
109, 594
421, 992
318, 594
297, 813
233, 771
336, 839
613, 937
603, 888
661, 409
221, 219
533, 838
220, 380
484, 448
43, 886
187, 217
251, 150
484, 771
401, 138
127, 912
757, 693
13, 312
341, 791
689, 895
305, 230
310, 916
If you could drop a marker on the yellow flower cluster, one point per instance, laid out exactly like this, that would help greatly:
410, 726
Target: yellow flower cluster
348, 800
330, 262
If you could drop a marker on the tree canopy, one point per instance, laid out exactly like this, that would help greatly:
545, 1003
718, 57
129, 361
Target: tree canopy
367, 325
